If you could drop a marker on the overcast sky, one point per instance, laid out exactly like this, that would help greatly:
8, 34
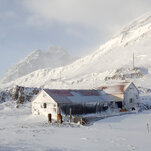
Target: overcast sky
79, 26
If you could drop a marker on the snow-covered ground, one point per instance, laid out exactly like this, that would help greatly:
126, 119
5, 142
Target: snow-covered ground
21, 131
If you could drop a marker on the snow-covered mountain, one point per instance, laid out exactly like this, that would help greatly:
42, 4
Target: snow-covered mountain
53, 57
113, 59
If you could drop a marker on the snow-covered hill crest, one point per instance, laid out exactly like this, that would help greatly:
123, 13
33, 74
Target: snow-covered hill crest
52, 58
91, 70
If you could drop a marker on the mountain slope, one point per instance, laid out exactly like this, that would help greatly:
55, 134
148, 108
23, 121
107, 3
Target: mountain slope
91, 71
53, 57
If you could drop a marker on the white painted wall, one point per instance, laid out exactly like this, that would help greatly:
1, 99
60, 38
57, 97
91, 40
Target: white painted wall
38, 105
131, 93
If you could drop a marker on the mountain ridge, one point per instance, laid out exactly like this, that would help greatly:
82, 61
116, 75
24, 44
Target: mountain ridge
115, 54
38, 59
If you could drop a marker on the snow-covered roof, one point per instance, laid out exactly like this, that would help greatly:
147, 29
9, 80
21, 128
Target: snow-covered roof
78, 96
116, 88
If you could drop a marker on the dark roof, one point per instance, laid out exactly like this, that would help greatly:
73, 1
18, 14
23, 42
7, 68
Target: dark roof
78, 96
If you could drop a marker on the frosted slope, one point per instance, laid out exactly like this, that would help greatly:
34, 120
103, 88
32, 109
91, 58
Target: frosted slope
91, 70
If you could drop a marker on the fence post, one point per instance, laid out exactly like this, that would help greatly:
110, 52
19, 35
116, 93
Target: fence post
148, 128
70, 111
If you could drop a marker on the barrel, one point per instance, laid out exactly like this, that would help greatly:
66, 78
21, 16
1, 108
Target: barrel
59, 118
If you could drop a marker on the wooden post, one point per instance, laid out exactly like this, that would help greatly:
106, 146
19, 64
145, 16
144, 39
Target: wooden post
81, 121
70, 111
148, 128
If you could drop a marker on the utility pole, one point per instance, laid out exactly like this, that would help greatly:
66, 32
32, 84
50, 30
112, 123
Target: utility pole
60, 75
133, 61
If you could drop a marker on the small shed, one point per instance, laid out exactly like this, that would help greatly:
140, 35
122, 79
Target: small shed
125, 94
56, 102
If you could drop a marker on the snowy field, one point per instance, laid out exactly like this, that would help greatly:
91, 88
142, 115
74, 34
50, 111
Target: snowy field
21, 131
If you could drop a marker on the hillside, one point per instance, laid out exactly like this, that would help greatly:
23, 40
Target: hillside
113, 59
52, 58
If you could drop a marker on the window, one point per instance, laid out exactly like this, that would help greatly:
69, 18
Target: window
131, 100
45, 105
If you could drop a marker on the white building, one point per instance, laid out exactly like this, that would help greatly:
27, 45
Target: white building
56, 102
126, 95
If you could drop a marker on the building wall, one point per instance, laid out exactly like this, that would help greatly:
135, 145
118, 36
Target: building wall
38, 105
131, 97
117, 97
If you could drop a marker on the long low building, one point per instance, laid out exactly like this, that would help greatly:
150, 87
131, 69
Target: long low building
63, 102
56, 102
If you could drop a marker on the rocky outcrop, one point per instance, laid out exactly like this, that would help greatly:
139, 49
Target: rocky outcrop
19, 94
